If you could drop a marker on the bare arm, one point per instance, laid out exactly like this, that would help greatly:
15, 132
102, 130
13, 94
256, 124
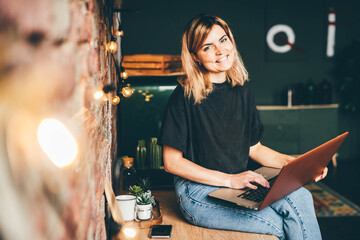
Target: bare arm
270, 158
176, 164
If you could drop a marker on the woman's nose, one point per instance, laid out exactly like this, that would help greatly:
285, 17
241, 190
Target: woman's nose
220, 50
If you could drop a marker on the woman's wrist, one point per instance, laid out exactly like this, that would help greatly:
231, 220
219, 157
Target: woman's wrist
227, 182
287, 159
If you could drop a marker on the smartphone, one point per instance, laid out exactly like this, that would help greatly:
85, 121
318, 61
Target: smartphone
160, 231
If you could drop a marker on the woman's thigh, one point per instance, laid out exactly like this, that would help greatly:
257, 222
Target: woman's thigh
201, 210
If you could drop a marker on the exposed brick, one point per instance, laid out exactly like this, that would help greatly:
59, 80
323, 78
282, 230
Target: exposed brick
30, 16
94, 61
81, 27
52, 57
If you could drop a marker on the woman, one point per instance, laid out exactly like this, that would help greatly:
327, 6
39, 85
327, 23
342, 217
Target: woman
210, 128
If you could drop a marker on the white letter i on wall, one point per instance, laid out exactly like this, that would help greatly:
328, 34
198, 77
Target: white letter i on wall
330, 49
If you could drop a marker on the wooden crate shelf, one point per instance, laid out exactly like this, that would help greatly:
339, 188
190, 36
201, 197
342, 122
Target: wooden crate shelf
152, 65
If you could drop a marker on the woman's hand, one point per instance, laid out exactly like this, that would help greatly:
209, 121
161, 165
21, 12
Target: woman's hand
323, 175
245, 179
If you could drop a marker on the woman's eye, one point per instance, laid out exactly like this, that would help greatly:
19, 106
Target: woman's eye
206, 48
224, 39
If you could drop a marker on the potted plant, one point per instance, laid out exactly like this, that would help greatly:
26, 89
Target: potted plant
145, 184
144, 199
144, 206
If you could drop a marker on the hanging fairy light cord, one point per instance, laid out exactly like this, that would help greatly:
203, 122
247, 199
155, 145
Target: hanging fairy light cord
123, 229
126, 91
121, 88
119, 32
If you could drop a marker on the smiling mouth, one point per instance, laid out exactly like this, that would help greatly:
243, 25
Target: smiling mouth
222, 59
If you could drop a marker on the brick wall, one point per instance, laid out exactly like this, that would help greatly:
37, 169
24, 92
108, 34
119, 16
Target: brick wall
52, 59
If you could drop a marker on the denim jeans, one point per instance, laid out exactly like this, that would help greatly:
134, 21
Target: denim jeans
292, 217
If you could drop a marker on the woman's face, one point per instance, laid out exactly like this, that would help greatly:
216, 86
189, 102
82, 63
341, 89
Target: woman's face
217, 52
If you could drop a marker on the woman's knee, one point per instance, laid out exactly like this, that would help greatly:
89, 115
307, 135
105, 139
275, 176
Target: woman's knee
302, 195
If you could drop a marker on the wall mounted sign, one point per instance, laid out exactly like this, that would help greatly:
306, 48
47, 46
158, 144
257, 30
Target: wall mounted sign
288, 38
272, 33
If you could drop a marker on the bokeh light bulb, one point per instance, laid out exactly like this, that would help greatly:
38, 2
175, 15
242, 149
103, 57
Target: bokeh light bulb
124, 75
98, 94
57, 142
111, 47
127, 92
115, 100
129, 232
119, 33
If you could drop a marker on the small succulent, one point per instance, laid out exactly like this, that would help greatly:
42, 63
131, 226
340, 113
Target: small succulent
136, 190
145, 198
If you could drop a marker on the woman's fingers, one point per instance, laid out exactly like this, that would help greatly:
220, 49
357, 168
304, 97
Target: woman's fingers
323, 175
255, 179
248, 179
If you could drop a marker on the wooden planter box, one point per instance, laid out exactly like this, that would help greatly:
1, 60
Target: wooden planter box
147, 64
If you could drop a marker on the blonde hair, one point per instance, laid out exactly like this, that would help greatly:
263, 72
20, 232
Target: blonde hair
197, 81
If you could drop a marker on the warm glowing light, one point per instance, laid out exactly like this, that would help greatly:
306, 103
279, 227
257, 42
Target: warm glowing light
57, 142
147, 99
124, 75
130, 232
111, 47
99, 94
119, 33
115, 100
127, 92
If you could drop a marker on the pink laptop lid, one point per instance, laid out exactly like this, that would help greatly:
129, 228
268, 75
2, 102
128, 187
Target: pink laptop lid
302, 170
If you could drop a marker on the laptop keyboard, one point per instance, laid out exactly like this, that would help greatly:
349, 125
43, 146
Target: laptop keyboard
257, 195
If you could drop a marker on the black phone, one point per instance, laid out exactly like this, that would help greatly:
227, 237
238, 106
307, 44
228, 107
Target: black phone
160, 231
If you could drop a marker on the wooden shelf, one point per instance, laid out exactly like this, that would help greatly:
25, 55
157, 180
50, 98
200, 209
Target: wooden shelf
156, 75
297, 107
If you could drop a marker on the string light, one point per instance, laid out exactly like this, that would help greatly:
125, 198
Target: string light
128, 231
147, 97
99, 94
57, 142
127, 92
119, 33
111, 47
124, 74
115, 100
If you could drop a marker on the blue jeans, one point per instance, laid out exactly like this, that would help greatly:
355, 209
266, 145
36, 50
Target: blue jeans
292, 217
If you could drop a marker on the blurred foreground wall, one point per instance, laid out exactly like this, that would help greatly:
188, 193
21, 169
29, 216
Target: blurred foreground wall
52, 59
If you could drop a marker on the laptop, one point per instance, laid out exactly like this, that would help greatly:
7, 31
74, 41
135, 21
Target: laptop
302, 170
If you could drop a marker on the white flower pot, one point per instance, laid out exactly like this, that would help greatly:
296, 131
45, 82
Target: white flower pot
144, 212
127, 205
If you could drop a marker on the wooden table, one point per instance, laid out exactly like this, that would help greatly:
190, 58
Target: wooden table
184, 231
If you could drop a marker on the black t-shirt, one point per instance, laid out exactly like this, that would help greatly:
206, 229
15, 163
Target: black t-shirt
218, 132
